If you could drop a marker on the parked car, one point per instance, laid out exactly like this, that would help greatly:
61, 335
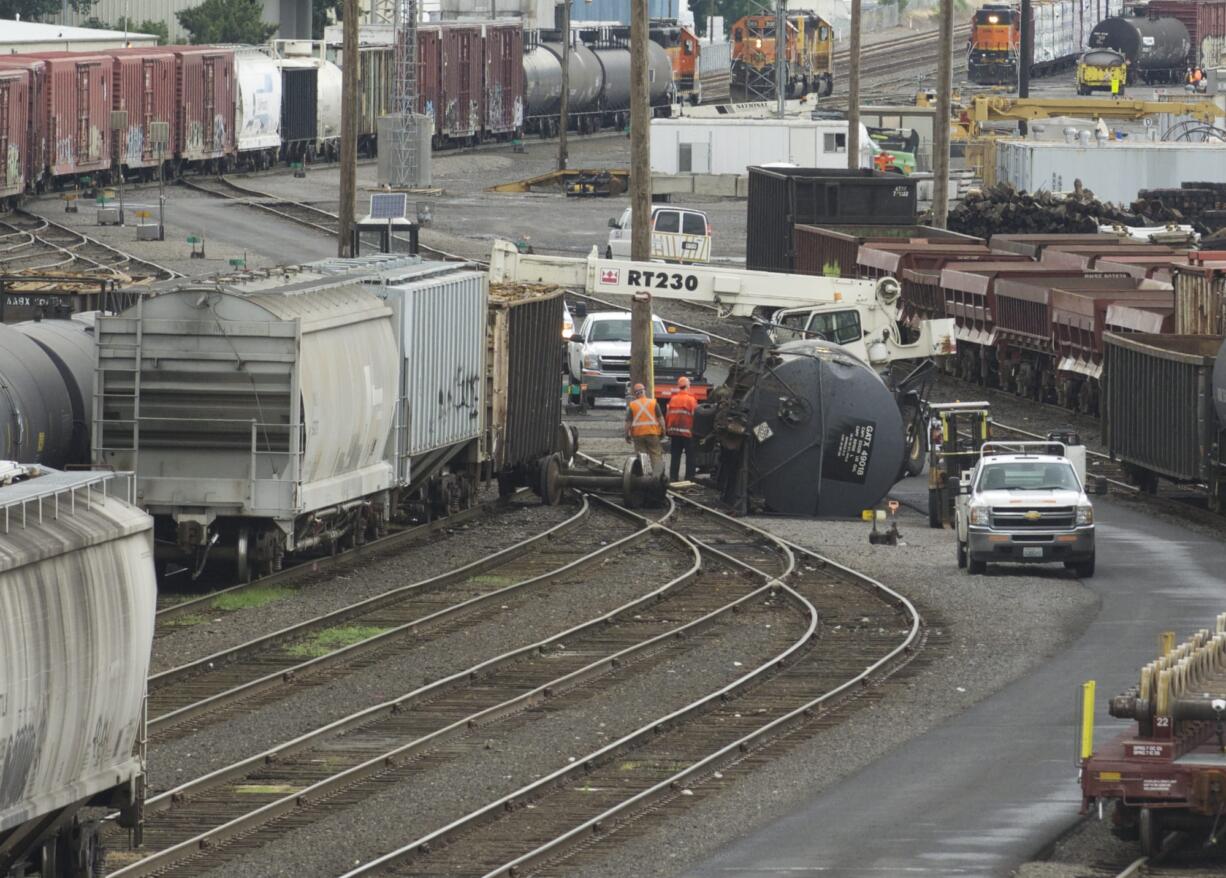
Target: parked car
1022, 503
678, 234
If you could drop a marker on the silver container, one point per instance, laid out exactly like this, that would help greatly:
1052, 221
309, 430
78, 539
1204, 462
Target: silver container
77, 600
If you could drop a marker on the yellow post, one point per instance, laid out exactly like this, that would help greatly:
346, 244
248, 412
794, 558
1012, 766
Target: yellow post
1087, 719
1166, 642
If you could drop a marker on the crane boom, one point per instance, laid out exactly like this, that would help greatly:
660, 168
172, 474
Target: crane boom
740, 292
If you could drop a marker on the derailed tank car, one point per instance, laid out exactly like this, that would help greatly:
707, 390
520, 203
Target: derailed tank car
77, 602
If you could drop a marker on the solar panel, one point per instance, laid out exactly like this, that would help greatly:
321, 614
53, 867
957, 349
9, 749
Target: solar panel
388, 205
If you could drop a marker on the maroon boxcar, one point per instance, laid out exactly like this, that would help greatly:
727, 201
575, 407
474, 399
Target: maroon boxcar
463, 63
204, 99
503, 95
35, 169
1206, 24
430, 67
144, 87
77, 101
14, 132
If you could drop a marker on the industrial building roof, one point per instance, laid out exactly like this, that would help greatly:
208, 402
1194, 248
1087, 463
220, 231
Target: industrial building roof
37, 36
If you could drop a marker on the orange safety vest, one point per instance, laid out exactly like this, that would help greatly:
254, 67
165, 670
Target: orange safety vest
643, 420
680, 417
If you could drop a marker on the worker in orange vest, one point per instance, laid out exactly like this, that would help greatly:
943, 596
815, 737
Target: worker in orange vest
679, 424
645, 427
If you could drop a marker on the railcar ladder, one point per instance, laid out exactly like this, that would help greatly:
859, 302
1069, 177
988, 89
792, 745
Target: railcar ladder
130, 364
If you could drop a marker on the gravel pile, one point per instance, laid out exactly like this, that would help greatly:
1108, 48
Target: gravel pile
331, 590
503, 757
995, 629
531, 615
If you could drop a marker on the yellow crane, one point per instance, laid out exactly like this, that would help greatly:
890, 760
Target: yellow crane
999, 108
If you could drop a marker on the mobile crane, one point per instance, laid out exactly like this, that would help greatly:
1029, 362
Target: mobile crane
800, 425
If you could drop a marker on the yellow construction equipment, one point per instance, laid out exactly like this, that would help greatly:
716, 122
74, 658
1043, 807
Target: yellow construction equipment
1102, 70
985, 109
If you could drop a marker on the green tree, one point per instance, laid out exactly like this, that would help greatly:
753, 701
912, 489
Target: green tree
148, 26
226, 21
324, 13
37, 10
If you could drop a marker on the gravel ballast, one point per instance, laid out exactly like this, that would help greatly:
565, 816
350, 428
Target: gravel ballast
333, 589
528, 616
996, 628
503, 757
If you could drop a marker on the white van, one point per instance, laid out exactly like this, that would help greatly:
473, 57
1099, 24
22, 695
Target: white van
678, 234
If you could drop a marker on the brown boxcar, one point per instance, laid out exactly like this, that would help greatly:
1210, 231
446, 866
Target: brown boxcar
14, 132
204, 98
503, 95
77, 100
1206, 24
144, 86
35, 157
430, 69
463, 64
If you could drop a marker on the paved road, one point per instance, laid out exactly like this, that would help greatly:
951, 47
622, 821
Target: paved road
987, 790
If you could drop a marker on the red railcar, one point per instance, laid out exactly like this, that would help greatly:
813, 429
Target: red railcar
430, 67
463, 64
205, 93
77, 107
144, 87
35, 156
14, 132
503, 95
1087, 256
1206, 24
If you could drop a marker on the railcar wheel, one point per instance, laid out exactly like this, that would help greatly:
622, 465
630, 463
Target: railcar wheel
242, 554
631, 472
1150, 825
551, 483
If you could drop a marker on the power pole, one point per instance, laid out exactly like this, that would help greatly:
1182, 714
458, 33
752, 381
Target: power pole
781, 56
564, 108
940, 123
640, 193
853, 90
349, 140
1025, 53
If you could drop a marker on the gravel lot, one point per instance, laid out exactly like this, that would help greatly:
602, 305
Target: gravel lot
505, 756
997, 627
530, 616
332, 590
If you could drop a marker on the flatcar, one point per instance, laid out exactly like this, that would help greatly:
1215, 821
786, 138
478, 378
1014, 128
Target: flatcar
78, 591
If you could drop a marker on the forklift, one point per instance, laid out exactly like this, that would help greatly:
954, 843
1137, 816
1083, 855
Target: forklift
950, 454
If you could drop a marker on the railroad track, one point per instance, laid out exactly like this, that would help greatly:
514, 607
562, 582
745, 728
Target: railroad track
851, 631
36, 245
338, 643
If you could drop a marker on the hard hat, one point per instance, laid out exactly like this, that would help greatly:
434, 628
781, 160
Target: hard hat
683, 381
639, 388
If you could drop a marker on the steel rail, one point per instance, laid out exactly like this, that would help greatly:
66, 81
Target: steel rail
367, 551
289, 674
599, 667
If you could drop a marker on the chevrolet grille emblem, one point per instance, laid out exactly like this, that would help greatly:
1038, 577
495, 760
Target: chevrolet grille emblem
1034, 515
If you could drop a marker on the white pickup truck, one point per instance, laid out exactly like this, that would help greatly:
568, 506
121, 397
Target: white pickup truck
1023, 503
598, 355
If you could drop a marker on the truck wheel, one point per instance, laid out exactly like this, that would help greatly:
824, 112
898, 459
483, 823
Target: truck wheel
1085, 569
608, 252
934, 508
917, 447
961, 554
976, 568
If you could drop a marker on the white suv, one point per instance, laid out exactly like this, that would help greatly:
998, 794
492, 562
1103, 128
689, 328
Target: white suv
1027, 508
678, 234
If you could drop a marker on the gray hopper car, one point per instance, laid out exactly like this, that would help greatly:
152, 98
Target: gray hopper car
77, 602
299, 409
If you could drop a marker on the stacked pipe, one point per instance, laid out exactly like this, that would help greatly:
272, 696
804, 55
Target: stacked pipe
1187, 684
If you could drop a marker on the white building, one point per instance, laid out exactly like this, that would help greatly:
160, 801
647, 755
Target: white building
292, 17
36, 36
730, 146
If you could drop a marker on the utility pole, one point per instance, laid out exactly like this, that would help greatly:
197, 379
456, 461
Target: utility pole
1025, 53
940, 123
781, 56
564, 108
853, 90
349, 140
640, 193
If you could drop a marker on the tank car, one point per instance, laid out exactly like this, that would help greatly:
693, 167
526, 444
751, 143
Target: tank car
257, 108
1157, 49
77, 603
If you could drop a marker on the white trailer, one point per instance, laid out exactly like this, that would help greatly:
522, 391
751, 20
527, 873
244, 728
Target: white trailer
730, 146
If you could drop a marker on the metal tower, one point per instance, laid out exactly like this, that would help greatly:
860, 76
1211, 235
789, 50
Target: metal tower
405, 164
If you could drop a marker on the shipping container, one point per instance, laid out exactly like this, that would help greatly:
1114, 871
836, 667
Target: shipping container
78, 100
205, 93
144, 87
1034, 245
1114, 170
1174, 433
524, 348
463, 63
831, 249
36, 157
503, 94
15, 167
1206, 24
440, 315
1200, 300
